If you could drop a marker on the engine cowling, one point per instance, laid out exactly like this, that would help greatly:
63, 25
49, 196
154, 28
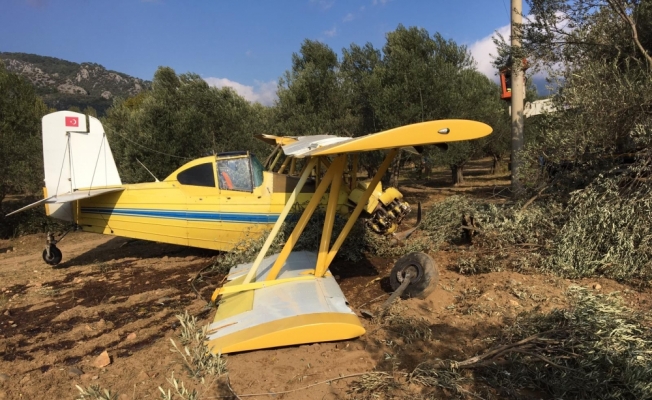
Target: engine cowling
385, 209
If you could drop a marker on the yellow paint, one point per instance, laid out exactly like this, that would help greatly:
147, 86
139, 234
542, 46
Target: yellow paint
337, 168
301, 225
360, 206
234, 303
420, 134
354, 171
169, 195
285, 164
389, 195
310, 328
281, 219
45, 196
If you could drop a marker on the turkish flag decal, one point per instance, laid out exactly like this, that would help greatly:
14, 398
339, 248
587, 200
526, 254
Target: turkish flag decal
72, 121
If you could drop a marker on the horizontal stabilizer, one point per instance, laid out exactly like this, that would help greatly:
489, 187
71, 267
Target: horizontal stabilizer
68, 197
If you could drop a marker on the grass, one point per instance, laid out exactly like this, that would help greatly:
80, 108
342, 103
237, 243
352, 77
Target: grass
105, 268
409, 328
94, 392
196, 357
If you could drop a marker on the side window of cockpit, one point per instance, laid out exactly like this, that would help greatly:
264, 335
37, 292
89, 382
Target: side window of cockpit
258, 171
199, 175
235, 174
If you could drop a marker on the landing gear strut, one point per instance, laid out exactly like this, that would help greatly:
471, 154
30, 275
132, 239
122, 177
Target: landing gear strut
51, 254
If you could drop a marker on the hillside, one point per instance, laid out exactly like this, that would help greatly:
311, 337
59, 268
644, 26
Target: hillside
64, 84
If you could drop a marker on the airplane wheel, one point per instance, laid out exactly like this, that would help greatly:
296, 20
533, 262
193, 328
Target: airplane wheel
427, 275
55, 256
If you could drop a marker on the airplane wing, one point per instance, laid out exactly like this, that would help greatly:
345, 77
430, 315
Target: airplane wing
275, 140
420, 134
68, 197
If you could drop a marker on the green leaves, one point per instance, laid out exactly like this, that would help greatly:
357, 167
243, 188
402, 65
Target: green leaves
180, 119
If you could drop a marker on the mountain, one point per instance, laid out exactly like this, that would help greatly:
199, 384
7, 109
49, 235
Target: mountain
63, 84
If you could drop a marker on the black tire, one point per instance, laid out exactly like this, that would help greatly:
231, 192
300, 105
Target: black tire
55, 256
427, 275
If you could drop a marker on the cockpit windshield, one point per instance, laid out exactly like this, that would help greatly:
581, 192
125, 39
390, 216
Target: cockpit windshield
241, 173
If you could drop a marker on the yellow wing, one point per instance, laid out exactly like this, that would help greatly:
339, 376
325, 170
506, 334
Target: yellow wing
420, 134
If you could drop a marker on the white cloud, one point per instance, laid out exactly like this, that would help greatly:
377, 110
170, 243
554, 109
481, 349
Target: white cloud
484, 51
348, 17
381, 2
331, 32
263, 92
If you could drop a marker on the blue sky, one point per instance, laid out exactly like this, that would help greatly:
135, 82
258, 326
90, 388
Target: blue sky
243, 44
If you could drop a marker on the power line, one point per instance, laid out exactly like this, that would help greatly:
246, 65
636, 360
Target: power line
509, 15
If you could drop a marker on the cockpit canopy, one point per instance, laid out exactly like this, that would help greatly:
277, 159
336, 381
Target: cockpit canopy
238, 171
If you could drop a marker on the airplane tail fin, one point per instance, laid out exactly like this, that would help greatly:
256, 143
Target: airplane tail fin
76, 155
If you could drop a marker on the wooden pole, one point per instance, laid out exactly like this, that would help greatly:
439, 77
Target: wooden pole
518, 85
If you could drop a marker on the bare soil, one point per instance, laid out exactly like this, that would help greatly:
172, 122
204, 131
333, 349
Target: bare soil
54, 323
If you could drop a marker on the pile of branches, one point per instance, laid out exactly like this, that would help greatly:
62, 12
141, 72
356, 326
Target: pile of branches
596, 349
609, 227
502, 236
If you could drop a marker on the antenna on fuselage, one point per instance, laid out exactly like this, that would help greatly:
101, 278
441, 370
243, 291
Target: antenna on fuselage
150, 172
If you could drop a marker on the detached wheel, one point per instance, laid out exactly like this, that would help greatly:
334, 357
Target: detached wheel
55, 256
425, 275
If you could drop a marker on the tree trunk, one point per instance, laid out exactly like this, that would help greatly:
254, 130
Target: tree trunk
396, 172
458, 177
494, 165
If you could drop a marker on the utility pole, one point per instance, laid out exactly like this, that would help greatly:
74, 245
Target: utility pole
517, 96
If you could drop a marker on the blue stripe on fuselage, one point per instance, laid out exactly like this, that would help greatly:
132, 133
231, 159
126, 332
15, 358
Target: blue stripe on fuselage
185, 215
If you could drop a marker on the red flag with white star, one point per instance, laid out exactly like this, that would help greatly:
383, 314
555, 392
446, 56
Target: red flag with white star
72, 121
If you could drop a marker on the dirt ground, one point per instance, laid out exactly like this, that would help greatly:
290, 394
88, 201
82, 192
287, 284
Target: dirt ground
121, 296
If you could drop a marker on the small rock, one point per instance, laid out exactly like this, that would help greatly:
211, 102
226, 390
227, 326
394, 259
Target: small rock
11, 322
102, 360
88, 327
131, 336
14, 325
7, 313
146, 282
514, 303
25, 379
74, 371
95, 377
164, 300
4, 377
597, 286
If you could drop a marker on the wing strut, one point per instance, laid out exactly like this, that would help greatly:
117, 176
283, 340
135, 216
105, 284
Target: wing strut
332, 179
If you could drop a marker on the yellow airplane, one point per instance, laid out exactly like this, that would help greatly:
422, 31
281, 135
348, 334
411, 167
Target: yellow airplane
212, 202
278, 300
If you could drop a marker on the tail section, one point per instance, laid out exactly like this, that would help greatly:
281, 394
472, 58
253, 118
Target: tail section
76, 155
